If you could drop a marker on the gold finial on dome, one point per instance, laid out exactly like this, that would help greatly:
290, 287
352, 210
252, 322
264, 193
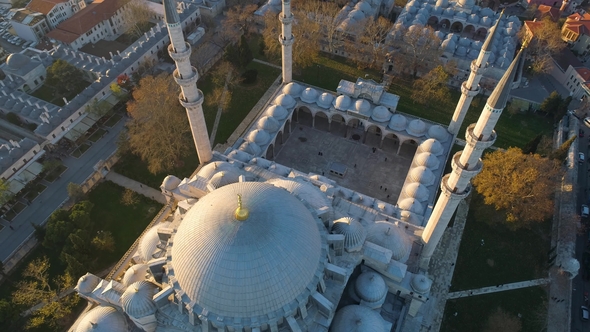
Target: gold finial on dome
241, 213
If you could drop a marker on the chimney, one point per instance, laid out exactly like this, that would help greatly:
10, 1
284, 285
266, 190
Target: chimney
65, 100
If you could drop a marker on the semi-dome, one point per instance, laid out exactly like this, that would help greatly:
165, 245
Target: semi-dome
17, 60
421, 174
411, 204
224, 178
325, 100
381, 114
354, 233
252, 261
416, 190
102, 319
426, 159
357, 318
439, 133
269, 124
285, 100
148, 244
211, 168
137, 300
278, 112
391, 237
241, 155
342, 102
416, 127
309, 95
431, 145
398, 122
87, 283
370, 287
170, 182
258, 136
135, 273
362, 106
293, 89
420, 284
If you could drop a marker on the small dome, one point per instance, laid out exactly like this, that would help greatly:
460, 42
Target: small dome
364, 7
293, 89
170, 182
87, 283
135, 273
325, 100
417, 191
410, 218
398, 122
370, 287
354, 233
251, 148
449, 12
416, 127
439, 133
304, 190
442, 3
210, 169
420, 284
241, 155
342, 102
431, 145
260, 137
461, 51
485, 21
309, 95
285, 100
362, 106
421, 174
412, 205
269, 124
224, 178
356, 318
390, 236
278, 112
102, 319
426, 159
148, 244
381, 114
17, 60
356, 15
137, 300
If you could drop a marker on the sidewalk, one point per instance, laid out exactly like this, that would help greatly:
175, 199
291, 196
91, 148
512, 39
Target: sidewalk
138, 187
498, 288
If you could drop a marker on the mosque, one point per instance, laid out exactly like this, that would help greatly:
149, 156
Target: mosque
253, 245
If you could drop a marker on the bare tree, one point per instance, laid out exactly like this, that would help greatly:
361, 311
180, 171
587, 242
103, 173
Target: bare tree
238, 19
417, 50
544, 40
325, 14
137, 17
433, 87
372, 40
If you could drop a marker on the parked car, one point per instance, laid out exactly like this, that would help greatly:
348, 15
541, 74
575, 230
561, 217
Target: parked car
585, 211
585, 313
587, 122
581, 157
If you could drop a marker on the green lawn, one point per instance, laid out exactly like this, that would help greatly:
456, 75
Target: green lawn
506, 256
113, 120
50, 177
46, 92
473, 312
97, 135
327, 72
80, 150
34, 191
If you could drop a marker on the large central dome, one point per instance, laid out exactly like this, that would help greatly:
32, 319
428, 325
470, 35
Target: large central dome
246, 268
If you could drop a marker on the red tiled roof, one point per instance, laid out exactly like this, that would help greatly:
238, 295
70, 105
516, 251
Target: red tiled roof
84, 20
584, 73
43, 6
577, 23
545, 10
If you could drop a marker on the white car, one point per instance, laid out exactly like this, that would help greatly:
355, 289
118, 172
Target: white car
587, 122
581, 157
584, 211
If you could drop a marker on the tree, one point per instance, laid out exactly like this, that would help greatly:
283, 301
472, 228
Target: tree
544, 40
433, 87
240, 55
19, 3
64, 77
5, 194
98, 108
50, 165
104, 241
75, 191
238, 19
368, 44
416, 50
520, 185
129, 197
501, 320
137, 17
561, 153
326, 15
531, 146
158, 131
551, 104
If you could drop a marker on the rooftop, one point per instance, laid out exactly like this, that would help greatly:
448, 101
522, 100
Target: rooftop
27, 17
43, 6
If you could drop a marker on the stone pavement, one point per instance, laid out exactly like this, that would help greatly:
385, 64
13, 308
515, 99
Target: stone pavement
267, 63
138, 187
498, 288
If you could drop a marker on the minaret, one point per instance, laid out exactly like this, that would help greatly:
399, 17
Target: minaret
470, 88
186, 76
466, 164
563, 6
286, 39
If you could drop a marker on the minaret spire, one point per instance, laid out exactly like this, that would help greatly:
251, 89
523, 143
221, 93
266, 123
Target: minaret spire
467, 163
470, 88
191, 98
286, 39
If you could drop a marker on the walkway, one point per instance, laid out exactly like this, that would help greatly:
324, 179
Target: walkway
138, 187
498, 288
267, 63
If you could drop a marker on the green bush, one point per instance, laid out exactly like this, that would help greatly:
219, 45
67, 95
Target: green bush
249, 76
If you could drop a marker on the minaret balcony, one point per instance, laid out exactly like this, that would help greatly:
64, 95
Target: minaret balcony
286, 42
286, 19
185, 81
452, 192
465, 171
477, 69
191, 105
469, 93
177, 55
475, 141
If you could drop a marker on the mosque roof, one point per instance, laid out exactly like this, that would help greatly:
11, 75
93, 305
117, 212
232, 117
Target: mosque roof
370, 287
247, 267
356, 318
137, 300
354, 233
389, 236
102, 319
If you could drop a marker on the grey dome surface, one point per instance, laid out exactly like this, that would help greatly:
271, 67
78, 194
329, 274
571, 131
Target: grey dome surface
278, 112
148, 244
431, 145
171, 182
246, 268
134, 274
370, 287
269, 124
137, 300
304, 190
87, 283
391, 237
17, 60
354, 233
420, 283
102, 319
356, 318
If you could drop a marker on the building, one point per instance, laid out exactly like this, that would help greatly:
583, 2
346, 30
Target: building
56, 11
576, 32
102, 19
29, 25
249, 244
30, 73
